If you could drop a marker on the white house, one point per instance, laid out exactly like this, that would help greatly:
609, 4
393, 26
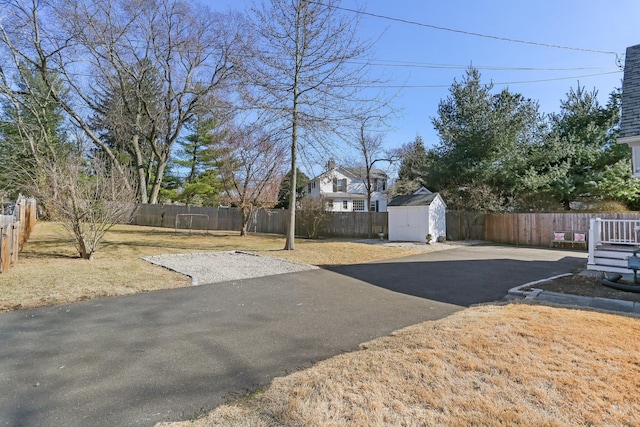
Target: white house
345, 190
414, 216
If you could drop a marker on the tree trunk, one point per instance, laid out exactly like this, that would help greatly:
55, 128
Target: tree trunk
155, 190
142, 181
246, 215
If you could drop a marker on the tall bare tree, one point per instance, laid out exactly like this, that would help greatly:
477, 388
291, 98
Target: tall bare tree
307, 74
189, 49
369, 144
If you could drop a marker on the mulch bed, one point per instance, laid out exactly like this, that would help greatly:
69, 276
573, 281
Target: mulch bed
585, 286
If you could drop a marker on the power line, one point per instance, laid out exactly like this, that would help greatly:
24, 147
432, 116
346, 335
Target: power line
493, 83
468, 33
389, 63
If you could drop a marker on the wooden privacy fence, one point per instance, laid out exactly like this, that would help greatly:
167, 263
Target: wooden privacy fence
15, 229
536, 229
463, 225
526, 229
341, 224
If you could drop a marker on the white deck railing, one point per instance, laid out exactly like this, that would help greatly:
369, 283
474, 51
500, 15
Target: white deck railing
612, 232
616, 231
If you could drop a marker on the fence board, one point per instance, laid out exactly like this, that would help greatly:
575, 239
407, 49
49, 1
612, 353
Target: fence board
536, 229
5, 252
529, 229
15, 229
341, 224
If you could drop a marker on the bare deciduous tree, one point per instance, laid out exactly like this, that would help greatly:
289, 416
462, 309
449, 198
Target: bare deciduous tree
370, 148
119, 44
307, 74
251, 173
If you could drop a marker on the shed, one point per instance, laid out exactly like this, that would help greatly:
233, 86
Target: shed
413, 216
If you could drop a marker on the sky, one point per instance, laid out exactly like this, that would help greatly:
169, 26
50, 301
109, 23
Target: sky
424, 61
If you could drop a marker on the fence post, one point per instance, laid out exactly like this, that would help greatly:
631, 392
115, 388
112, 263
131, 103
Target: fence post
594, 239
16, 230
5, 255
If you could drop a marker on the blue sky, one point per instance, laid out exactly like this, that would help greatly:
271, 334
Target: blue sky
588, 24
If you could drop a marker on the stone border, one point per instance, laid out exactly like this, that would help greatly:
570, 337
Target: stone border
570, 299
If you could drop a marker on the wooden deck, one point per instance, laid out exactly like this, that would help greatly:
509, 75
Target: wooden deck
611, 243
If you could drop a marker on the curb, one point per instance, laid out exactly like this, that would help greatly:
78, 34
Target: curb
151, 260
569, 299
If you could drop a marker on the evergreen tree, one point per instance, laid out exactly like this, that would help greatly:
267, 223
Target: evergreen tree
413, 167
580, 149
32, 130
484, 137
284, 193
199, 153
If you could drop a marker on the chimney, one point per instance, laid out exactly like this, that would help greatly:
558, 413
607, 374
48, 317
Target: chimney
331, 164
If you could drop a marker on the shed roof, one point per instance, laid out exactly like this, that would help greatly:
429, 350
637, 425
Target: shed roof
419, 199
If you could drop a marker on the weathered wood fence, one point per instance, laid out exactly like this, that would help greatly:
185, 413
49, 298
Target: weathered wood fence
15, 229
341, 224
527, 229
536, 229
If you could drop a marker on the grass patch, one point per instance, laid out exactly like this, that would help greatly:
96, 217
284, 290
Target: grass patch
49, 272
491, 365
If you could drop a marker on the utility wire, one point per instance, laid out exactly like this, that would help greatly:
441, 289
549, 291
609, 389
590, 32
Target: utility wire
388, 63
493, 83
468, 33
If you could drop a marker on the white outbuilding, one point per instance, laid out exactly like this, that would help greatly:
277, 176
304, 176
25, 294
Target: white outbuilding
413, 217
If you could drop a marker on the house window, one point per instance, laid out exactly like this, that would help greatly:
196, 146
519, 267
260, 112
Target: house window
309, 188
345, 205
330, 204
373, 206
358, 205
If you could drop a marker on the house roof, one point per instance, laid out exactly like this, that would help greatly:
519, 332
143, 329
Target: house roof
362, 173
358, 173
419, 199
630, 121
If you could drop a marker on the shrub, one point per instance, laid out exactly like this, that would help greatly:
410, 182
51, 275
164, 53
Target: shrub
313, 216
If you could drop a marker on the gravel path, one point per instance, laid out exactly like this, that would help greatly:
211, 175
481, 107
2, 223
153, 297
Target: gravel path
214, 267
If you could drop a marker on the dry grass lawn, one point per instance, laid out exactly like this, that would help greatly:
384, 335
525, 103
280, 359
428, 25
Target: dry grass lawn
48, 271
491, 365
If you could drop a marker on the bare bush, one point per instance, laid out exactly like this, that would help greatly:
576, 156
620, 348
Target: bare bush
313, 216
87, 198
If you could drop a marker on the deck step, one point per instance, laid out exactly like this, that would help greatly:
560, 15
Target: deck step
611, 254
612, 262
608, 269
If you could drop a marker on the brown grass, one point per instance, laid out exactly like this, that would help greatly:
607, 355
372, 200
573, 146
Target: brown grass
491, 365
49, 272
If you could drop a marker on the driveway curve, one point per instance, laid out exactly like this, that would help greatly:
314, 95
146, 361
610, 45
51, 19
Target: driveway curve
170, 355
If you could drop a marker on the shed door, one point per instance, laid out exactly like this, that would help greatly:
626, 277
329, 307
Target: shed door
409, 225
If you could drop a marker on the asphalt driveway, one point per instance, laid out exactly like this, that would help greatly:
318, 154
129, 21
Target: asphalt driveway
169, 355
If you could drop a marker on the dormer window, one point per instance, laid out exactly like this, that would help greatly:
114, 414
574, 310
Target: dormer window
339, 185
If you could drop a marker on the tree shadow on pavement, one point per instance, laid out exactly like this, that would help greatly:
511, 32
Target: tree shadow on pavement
460, 282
